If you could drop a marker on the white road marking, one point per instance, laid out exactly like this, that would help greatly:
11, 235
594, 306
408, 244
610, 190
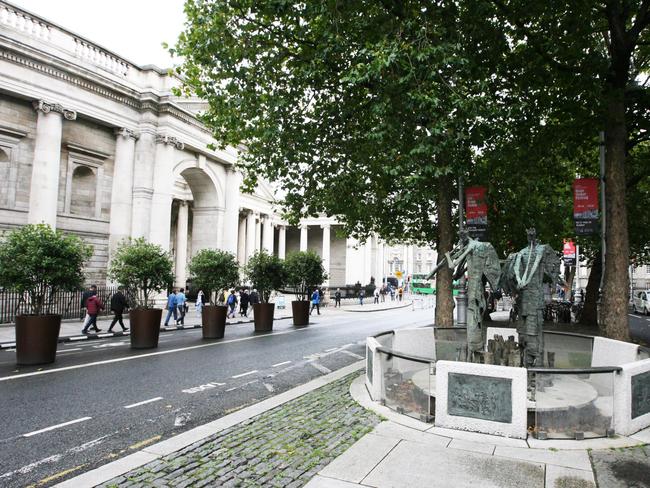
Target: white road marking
269, 387
140, 356
10, 350
57, 426
151, 400
232, 389
79, 338
332, 349
354, 355
89, 444
320, 367
30, 467
244, 374
70, 350
182, 419
109, 344
280, 364
199, 388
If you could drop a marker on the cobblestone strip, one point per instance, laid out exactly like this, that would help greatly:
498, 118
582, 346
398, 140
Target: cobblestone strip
284, 447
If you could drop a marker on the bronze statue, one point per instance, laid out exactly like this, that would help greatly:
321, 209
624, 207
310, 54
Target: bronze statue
523, 276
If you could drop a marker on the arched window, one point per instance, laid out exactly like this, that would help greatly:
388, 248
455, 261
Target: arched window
5, 176
83, 194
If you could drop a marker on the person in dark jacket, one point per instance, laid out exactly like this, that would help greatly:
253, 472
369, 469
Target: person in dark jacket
244, 300
84, 297
337, 298
118, 305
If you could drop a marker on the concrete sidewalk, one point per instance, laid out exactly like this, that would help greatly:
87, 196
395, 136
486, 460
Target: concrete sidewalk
328, 433
71, 329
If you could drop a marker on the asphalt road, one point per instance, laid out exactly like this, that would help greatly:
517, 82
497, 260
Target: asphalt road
640, 327
102, 400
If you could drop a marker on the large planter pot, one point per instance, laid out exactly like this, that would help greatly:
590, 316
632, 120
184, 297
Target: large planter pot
145, 327
263, 316
213, 320
36, 338
300, 309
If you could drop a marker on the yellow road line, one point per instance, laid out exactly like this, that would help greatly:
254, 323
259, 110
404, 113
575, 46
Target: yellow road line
60, 474
138, 445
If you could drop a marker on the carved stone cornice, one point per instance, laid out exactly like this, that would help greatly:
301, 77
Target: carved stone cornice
171, 140
126, 133
46, 108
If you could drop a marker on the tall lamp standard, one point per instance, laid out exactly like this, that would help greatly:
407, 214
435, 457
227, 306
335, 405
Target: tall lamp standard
461, 300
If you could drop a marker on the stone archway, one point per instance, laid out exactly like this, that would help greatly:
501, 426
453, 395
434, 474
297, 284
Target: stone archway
197, 213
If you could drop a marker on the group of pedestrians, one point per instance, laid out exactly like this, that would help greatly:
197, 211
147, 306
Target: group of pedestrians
176, 306
244, 299
92, 304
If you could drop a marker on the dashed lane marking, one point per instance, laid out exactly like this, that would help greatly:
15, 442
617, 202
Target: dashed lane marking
244, 374
350, 353
144, 402
320, 367
57, 426
269, 387
70, 350
280, 364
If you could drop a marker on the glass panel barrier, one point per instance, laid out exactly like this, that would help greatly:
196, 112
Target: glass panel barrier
573, 406
407, 386
451, 344
567, 351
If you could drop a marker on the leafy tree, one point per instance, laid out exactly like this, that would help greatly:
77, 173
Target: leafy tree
142, 268
214, 270
304, 272
39, 261
266, 273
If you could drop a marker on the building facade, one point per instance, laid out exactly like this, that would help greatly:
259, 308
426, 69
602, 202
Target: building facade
95, 145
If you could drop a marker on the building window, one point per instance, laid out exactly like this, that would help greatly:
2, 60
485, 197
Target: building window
83, 191
83, 183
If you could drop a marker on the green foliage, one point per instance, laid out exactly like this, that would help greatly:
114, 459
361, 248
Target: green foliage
266, 273
38, 261
304, 272
213, 270
142, 268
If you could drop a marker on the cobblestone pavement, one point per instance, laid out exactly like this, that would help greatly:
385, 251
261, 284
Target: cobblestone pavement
284, 447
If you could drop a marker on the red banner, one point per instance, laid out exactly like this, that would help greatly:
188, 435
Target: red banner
569, 252
585, 205
476, 212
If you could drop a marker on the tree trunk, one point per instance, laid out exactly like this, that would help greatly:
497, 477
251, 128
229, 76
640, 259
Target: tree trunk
444, 244
589, 315
613, 317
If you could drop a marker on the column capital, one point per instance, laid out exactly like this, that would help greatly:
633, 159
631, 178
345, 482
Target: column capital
325, 226
170, 140
126, 133
46, 108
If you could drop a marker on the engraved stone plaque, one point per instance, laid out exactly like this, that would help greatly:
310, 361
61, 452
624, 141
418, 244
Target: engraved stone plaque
480, 397
640, 394
369, 363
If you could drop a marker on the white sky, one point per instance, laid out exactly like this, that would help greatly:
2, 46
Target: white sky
134, 29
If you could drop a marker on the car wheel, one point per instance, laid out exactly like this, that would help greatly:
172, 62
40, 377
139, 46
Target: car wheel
633, 308
645, 311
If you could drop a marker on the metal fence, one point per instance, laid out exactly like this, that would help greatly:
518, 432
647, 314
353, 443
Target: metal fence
64, 303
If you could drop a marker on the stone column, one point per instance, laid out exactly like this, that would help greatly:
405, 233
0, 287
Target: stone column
122, 190
267, 242
326, 251
367, 261
44, 190
258, 232
303, 237
163, 181
145, 152
250, 235
181, 244
241, 241
231, 216
282, 241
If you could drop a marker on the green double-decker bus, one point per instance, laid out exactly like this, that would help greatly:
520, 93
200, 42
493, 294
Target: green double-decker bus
420, 284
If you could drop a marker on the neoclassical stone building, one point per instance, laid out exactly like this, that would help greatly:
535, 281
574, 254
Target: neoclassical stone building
93, 144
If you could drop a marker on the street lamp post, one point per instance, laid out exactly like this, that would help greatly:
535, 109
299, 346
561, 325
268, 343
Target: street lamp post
461, 301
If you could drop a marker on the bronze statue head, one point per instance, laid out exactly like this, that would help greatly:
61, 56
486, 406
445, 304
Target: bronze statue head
531, 234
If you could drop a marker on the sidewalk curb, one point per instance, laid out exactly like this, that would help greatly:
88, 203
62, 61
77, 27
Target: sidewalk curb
140, 458
406, 304
105, 335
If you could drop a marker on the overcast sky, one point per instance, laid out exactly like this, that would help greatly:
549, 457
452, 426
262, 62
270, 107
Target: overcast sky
134, 29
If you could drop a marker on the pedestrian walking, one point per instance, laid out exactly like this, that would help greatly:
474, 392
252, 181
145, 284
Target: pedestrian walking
315, 302
171, 307
200, 301
118, 305
84, 297
244, 300
232, 304
400, 293
93, 306
181, 300
361, 295
376, 294
382, 292
254, 300
337, 298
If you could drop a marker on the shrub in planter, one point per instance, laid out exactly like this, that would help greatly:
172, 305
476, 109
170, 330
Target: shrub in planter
144, 269
214, 271
38, 262
305, 273
266, 273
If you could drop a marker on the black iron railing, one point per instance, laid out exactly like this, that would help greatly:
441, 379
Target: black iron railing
64, 303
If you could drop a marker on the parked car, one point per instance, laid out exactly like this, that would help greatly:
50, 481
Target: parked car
641, 302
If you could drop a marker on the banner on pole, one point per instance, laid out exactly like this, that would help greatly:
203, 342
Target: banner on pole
585, 206
569, 253
476, 212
